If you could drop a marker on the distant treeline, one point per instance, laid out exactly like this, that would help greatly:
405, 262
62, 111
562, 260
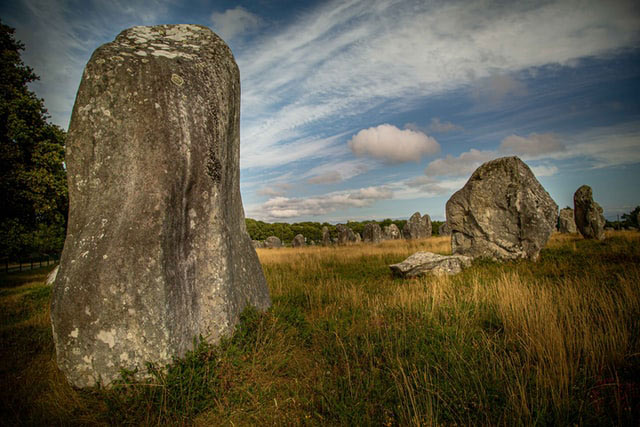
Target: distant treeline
260, 230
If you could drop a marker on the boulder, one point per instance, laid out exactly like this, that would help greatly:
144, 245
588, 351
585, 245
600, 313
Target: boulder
422, 263
588, 214
392, 232
444, 229
566, 221
326, 237
257, 244
345, 235
272, 242
157, 253
51, 277
502, 212
417, 227
298, 241
372, 233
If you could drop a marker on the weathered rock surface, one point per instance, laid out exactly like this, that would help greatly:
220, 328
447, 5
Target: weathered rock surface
392, 232
502, 212
417, 227
272, 242
566, 221
444, 230
326, 237
345, 235
299, 241
51, 277
422, 263
157, 253
257, 244
372, 233
588, 214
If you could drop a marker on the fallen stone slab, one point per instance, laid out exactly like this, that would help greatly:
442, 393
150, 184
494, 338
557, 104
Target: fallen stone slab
422, 263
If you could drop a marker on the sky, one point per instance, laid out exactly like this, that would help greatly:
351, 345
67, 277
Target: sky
373, 109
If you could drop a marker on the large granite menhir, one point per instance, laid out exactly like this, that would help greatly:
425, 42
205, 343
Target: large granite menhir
502, 212
157, 253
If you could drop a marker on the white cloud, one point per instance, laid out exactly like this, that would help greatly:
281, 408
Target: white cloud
275, 190
336, 171
544, 170
390, 144
286, 207
233, 22
534, 145
443, 127
326, 178
463, 165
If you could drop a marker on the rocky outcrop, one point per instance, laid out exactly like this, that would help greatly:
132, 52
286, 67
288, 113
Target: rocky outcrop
422, 263
417, 227
157, 253
502, 212
272, 242
566, 221
299, 241
444, 230
391, 232
372, 233
345, 235
588, 214
326, 237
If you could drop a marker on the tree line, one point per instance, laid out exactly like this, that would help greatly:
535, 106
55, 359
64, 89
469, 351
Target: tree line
260, 230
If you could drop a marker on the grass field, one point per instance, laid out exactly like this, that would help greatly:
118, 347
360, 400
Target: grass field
552, 342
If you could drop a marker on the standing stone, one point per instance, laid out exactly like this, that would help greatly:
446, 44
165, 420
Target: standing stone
392, 232
418, 227
502, 212
444, 229
566, 221
372, 233
257, 244
272, 242
298, 241
326, 237
345, 235
588, 214
157, 253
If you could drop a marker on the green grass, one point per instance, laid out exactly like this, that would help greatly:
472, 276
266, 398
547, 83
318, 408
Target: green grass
551, 342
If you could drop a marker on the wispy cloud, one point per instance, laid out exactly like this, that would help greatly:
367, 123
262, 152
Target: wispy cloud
234, 22
286, 207
439, 126
533, 145
347, 58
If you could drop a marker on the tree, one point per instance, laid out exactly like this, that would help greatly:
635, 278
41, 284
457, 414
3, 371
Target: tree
33, 180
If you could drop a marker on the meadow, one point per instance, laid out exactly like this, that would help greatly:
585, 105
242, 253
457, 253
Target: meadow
555, 341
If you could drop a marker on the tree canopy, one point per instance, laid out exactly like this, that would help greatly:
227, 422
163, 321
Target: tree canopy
32, 174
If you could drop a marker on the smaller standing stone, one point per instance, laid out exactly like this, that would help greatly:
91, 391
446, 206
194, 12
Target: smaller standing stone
298, 241
422, 263
372, 233
326, 237
444, 229
588, 214
392, 232
272, 242
566, 221
257, 244
418, 227
345, 235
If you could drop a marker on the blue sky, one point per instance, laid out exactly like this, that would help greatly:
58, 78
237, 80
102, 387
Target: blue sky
372, 109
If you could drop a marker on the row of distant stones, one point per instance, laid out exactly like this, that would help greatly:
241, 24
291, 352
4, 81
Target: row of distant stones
417, 227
